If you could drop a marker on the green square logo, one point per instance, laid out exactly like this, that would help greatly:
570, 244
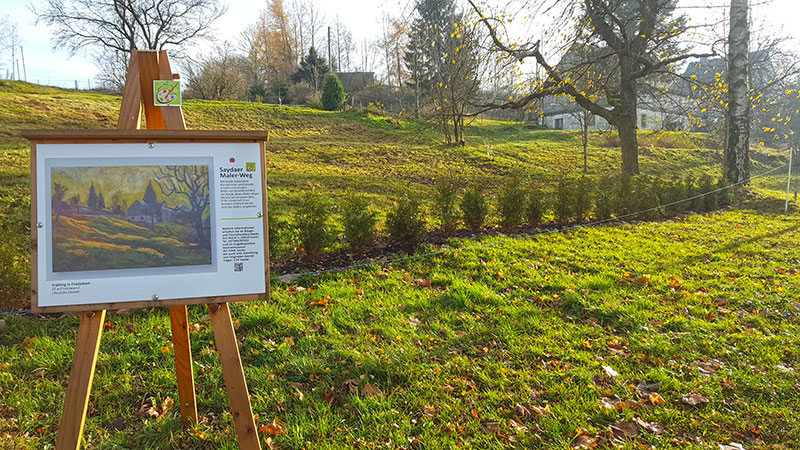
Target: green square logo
167, 93
251, 167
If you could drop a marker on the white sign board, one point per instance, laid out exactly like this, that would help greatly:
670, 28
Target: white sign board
133, 222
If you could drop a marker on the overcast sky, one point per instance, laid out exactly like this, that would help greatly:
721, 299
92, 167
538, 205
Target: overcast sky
362, 17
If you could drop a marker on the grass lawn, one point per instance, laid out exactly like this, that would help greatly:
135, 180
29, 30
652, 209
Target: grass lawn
682, 333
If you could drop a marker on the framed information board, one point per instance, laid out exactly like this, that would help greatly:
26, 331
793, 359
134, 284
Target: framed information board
124, 219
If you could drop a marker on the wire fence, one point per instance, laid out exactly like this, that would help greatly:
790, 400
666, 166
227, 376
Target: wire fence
293, 276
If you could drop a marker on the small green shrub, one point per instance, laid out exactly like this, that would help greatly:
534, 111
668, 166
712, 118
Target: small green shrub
535, 207
311, 220
444, 204
359, 223
333, 94
625, 200
474, 208
645, 193
724, 195
511, 203
563, 206
406, 222
606, 197
672, 196
278, 240
583, 194
691, 190
706, 186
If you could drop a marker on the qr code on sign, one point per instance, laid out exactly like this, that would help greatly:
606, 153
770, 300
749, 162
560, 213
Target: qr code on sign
238, 267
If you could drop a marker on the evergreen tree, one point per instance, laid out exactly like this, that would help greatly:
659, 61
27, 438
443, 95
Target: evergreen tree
313, 68
91, 202
101, 202
333, 94
150, 195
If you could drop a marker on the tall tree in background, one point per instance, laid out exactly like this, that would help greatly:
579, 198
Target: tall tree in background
312, 70
443, 63
641, 36
272, 46
737, 159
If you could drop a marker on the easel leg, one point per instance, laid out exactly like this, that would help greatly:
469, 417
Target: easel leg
233, 374
179, 317
76, 401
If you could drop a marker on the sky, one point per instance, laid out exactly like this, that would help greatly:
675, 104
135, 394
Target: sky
45, 65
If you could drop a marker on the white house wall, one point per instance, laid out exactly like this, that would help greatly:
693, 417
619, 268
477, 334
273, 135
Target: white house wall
654, 120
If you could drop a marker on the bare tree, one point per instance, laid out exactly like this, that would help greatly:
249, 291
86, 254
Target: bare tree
639, 36
191, 183
9, 43
126, 25
219, 76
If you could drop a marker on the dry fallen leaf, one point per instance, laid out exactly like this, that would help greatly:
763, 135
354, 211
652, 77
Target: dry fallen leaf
430, 410
413, 321
271, 445
656, 399
491, 428
370, 390
606, 403
351, 385
731, 446
273, 428
323, 302
521, 411
653, 427
610, 372
294, 289
584, 441
419, 282
695, 399
148, 410
624, 429
518, 426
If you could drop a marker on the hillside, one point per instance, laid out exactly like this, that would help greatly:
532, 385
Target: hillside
660, 334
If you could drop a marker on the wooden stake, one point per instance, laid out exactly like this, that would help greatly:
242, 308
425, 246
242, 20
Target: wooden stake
233, 373
184, 372
76, 401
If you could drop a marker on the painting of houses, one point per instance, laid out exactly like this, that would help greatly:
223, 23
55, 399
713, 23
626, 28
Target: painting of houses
155, 216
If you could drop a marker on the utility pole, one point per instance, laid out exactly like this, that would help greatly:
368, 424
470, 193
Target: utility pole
24, 70
329, 48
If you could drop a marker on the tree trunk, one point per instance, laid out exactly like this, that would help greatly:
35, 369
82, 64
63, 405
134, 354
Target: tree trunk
626, 119
585, 123
737, 159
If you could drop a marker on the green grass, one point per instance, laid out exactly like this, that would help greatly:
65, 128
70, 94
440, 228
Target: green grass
703, 304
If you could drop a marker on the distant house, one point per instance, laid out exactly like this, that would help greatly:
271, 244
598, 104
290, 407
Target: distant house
141, 212
666, 110
356, 81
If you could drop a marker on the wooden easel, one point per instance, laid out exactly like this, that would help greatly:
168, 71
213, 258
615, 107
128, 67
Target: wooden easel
143, 68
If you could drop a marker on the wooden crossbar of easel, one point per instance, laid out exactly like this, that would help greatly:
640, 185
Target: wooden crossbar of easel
145, 67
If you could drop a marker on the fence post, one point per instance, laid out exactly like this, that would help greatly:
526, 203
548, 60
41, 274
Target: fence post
788, 180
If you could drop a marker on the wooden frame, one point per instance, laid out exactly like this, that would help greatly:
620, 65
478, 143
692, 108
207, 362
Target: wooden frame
165, 125
148, 137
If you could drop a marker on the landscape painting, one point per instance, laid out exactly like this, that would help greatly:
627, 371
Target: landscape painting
129, 217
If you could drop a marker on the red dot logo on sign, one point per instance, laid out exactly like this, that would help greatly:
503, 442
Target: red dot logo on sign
233, 159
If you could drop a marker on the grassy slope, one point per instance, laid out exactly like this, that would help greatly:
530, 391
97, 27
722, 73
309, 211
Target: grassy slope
529, 322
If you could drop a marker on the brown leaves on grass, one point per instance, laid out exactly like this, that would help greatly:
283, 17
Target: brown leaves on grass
423, 283
370, 390
324, 302
656, 399
695, 398
149, 411
273, 428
